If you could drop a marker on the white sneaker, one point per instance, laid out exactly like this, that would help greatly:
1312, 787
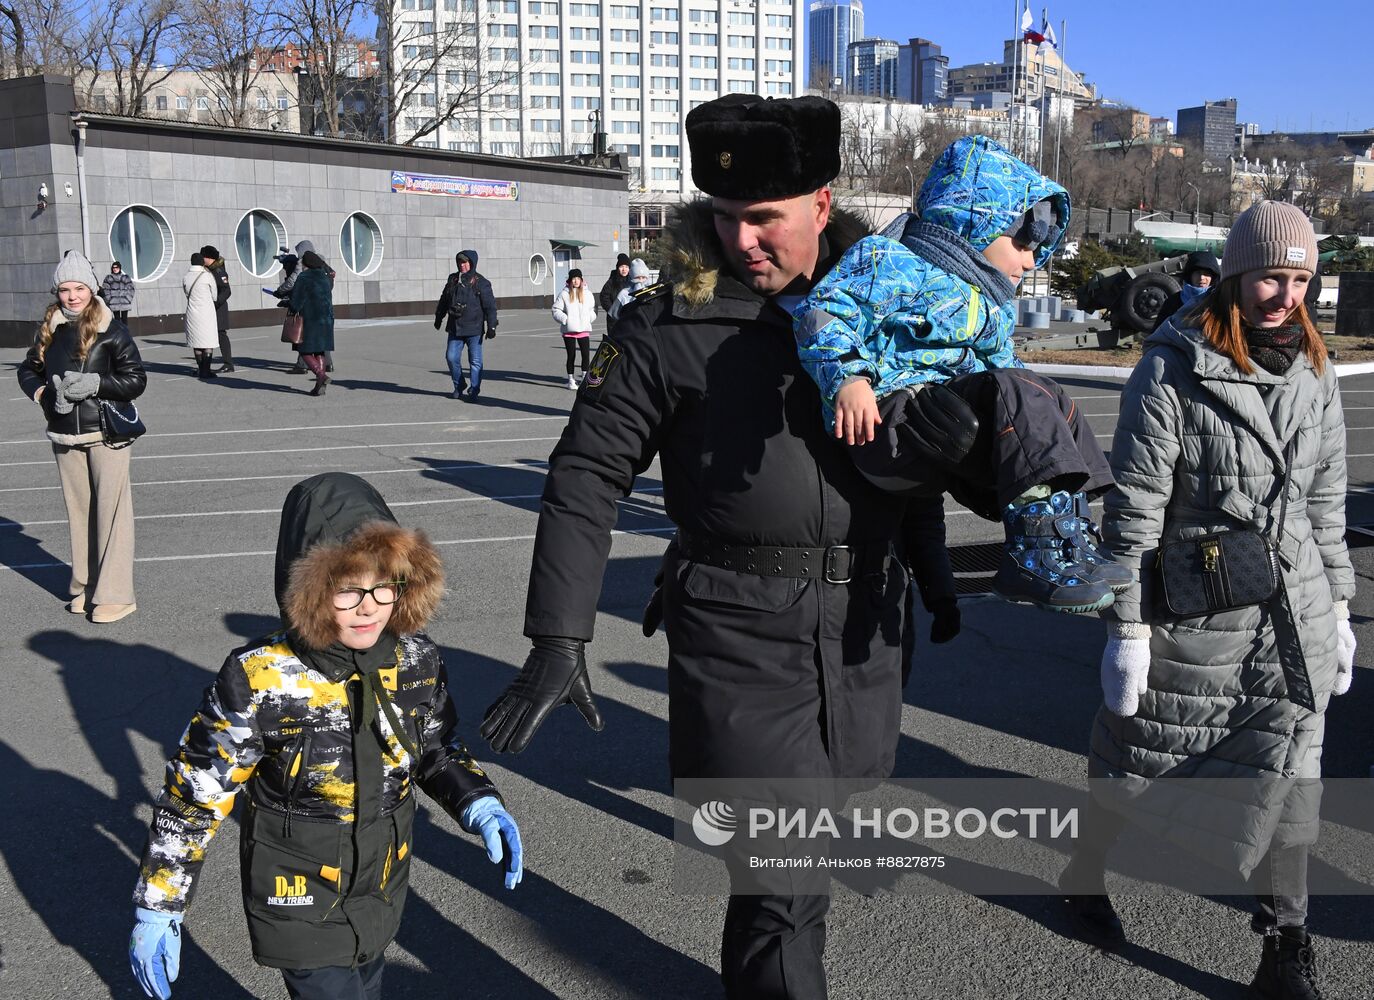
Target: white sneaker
572, 382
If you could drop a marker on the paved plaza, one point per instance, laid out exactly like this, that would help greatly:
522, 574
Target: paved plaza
88, 713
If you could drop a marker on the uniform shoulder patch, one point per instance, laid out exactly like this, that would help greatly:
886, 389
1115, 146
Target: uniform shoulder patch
652, 291
607, 354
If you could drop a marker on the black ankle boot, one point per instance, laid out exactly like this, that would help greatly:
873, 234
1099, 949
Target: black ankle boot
203, 367
1288, 966
1089, 908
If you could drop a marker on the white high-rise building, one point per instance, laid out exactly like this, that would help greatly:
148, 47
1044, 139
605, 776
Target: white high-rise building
540, 75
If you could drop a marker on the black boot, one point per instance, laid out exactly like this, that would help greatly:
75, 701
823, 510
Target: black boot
1288, 967
203, 367
1090, 910
320, 383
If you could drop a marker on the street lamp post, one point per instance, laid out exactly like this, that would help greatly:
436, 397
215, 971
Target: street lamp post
1197, 215
912, 178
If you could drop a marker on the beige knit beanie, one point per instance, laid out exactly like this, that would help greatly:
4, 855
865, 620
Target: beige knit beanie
1269, 234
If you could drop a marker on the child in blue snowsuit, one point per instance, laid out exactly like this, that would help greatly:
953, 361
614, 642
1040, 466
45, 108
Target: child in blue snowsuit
914, 334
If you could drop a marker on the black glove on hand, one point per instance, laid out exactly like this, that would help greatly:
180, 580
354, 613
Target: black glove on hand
653, 611
938, 425
946, 623
554, 674
438, 323
491, 332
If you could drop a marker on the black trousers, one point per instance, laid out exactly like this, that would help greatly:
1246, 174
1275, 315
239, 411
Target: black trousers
583, 345
121, 314
773, 948
336, 982
1030, 433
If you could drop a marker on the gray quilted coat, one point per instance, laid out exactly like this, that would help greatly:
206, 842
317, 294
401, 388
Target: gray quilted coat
1199, 448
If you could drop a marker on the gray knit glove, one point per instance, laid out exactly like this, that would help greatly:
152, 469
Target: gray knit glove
60, 402
77, 386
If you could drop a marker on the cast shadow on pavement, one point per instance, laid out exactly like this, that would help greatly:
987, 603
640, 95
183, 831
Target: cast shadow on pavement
188, 371
26, 556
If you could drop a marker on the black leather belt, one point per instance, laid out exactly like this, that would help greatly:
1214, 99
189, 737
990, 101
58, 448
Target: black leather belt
831, 563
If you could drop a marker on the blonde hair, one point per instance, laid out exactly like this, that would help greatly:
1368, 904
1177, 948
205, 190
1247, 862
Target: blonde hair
1224, 327
578, 291
87, 324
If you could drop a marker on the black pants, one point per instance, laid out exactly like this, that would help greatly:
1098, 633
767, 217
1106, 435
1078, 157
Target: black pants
1030, 433
1279, 881
226, 350
121, 314
773, 946
583, 345
336, 982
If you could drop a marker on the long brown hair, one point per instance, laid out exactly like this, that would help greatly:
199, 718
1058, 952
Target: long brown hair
1224, 327
87, 325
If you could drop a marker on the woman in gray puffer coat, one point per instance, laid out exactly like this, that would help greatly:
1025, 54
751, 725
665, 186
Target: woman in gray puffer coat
118, 292
1229, 391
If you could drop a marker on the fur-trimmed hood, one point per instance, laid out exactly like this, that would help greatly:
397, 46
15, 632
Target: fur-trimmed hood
695, 262
336, 528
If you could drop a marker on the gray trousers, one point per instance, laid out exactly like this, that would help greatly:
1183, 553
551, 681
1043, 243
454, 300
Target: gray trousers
100, 515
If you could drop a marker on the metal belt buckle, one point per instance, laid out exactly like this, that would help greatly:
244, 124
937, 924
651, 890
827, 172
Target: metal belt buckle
831, 575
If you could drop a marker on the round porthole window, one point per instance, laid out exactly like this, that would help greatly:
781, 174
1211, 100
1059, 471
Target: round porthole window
257, 240
361, 242
539, 269
141, 240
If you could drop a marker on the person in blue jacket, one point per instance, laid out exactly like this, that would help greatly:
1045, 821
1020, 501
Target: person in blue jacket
914, 334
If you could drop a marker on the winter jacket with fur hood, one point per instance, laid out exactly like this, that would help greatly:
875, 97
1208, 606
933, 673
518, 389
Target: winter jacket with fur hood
1200, 447
113, 355
327, 743
894, 317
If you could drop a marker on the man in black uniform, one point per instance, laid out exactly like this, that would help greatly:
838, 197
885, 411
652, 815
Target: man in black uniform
781, 598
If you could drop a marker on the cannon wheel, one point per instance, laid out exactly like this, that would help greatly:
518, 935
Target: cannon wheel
1144, 297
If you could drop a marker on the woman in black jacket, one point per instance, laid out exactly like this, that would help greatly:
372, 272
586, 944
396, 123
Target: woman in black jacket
82, 355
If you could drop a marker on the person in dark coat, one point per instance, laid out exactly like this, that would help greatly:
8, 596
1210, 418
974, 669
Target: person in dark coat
787, 674
1201, 271
619, 280
214, 263
118, 292
467, 310
302, 248
326, 725
312, 298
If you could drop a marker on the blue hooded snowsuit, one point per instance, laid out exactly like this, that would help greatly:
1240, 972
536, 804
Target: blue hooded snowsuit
888, 314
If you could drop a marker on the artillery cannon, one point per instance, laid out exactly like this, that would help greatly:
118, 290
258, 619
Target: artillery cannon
1133, 296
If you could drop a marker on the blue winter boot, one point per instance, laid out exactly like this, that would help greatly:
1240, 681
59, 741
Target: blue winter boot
1036, 568
1085, 547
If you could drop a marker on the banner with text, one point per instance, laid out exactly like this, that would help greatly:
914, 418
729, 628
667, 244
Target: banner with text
404, 182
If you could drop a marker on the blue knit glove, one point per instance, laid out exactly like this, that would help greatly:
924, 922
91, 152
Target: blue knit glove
155, 951
486, 816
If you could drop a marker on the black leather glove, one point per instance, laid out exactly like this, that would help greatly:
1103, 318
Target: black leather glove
653, 611
491, 332
937, 424
438, 323
555, 673
946, 622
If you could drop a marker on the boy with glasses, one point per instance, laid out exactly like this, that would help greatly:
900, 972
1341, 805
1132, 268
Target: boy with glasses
328, 724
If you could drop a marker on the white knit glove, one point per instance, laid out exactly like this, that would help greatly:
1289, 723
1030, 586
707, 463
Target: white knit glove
1125, 667
1345, 648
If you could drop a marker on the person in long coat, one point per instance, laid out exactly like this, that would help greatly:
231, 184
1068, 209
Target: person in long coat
1231, 392
202, 329
312, 298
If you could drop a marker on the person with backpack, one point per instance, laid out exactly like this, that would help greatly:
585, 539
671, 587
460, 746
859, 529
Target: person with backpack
467, 310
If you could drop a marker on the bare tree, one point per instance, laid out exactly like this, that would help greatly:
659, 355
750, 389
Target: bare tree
137, 45
12, 35
233, 35
326, 32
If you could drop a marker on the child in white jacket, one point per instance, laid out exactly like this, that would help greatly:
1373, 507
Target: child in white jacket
575, 310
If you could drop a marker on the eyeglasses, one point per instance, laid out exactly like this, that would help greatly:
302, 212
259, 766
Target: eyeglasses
385, 593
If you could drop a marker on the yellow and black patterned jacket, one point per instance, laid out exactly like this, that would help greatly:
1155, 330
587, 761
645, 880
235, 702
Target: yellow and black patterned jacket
310, 734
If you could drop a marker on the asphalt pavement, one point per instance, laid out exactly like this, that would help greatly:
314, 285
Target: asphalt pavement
89, 713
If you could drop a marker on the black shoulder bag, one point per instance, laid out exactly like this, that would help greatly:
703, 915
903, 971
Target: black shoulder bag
1238, 568
120, 424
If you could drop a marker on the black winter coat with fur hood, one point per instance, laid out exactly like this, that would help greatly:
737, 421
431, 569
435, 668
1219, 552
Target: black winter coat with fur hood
310, 730
767, 676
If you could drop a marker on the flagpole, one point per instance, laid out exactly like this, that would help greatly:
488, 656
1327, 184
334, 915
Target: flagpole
1040, 144
1015, 62
1063, 68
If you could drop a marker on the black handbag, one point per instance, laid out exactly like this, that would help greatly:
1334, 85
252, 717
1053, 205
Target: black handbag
120, 424
1224, 570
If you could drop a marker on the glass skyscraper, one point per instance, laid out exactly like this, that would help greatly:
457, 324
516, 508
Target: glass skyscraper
832, 25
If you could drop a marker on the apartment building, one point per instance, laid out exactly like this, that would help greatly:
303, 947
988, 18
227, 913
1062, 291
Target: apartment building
537, 78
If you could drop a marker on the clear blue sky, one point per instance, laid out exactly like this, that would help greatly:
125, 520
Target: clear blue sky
1299, 66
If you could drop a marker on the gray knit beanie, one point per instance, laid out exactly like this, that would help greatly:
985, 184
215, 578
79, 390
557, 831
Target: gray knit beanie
75, 267
1269, 234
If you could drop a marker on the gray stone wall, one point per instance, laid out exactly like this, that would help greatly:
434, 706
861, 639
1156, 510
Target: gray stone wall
202, 182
